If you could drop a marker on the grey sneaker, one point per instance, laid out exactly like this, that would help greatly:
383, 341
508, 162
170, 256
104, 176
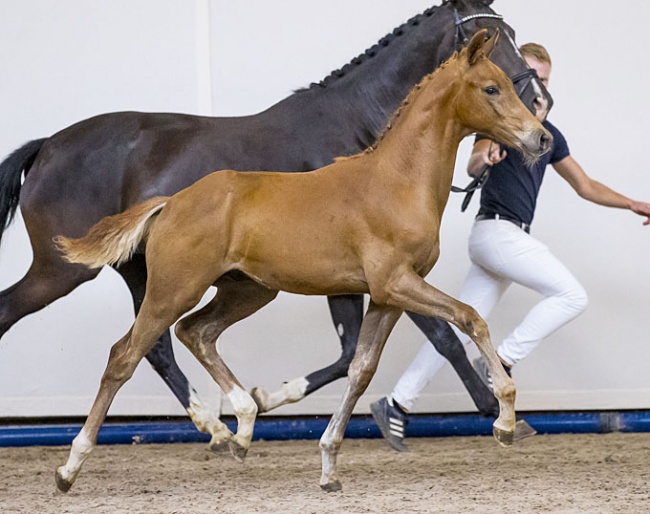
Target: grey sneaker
392, 422
484, 373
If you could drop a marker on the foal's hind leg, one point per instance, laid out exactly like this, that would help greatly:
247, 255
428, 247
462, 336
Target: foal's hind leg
155, 316
446, 342
235, 300
161, 358
347, 313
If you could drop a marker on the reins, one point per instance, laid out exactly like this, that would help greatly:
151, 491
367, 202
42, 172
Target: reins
476, 183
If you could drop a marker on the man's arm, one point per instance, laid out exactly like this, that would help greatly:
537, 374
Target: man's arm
594, 191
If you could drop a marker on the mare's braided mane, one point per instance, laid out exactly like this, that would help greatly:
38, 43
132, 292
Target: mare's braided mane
372, 51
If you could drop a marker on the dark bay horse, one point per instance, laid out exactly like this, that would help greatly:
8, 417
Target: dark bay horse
367, 224
103, 165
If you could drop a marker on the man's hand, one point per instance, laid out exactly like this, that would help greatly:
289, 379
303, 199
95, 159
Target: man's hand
494, 154
642, 209
484, 153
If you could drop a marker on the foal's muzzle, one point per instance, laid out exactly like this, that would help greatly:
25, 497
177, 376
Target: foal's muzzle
537, 144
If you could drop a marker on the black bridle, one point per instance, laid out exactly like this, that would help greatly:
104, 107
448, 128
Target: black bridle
521, 81
460, 37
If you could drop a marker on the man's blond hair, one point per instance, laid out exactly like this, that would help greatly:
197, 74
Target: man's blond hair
536, 52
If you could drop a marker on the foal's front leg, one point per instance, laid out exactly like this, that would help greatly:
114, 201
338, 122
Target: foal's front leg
407, 290
447, 344
375, 329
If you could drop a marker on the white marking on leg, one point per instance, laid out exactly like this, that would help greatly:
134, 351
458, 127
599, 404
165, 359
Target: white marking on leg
340, 329
295, 389
81, 448
246, 410
290, 392
206, 419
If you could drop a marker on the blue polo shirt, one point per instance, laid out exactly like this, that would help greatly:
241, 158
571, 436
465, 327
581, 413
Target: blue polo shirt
512, 187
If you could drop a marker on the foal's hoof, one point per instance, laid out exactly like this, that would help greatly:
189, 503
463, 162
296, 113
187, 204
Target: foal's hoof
332, 487
523, 430
504, 437
221, 446
237, 450
260, 397
62, 484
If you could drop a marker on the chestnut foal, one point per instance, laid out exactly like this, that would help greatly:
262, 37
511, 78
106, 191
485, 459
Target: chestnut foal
365, 224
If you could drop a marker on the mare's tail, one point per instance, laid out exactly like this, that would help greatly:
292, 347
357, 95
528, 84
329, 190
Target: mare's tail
113, 239
10, 171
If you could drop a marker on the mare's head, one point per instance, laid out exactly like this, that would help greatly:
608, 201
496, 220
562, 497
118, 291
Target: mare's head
473, 15
486, 101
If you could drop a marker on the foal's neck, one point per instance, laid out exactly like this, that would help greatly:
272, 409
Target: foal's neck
422, 139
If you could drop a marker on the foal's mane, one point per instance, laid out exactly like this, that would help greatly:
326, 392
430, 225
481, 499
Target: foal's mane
373, 50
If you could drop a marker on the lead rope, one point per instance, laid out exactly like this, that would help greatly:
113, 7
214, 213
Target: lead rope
470, 189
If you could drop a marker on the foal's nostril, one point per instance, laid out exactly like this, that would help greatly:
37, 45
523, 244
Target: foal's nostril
544, 142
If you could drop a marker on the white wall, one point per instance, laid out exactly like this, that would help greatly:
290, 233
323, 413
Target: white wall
62, 62
68, 60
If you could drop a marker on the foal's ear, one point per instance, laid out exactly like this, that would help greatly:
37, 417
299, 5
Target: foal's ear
491, 43
480, 46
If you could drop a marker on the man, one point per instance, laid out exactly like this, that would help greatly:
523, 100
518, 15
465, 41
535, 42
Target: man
502, 251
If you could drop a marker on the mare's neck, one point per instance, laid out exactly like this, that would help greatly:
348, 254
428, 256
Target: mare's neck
348, 112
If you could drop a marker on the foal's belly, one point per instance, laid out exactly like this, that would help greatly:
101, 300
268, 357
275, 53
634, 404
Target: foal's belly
297, 272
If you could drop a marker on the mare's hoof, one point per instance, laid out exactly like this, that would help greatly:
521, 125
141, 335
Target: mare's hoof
504, 437
222, 446
62, 484
260, 397
332, 487
237, 450
523, 430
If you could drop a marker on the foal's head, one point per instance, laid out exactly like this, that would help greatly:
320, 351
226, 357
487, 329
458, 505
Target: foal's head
486, 102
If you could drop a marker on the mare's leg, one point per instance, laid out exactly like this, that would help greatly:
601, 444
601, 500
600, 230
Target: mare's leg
407, 290
157, 314
375, 329
234, 301
161, 358
446, 342
347, 313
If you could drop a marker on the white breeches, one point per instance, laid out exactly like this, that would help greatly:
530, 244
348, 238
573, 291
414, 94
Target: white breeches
502, 253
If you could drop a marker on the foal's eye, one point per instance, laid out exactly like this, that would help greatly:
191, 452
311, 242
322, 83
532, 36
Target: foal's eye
491, 90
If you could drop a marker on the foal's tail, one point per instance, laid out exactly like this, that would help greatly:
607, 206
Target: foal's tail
113, 239
10, 171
